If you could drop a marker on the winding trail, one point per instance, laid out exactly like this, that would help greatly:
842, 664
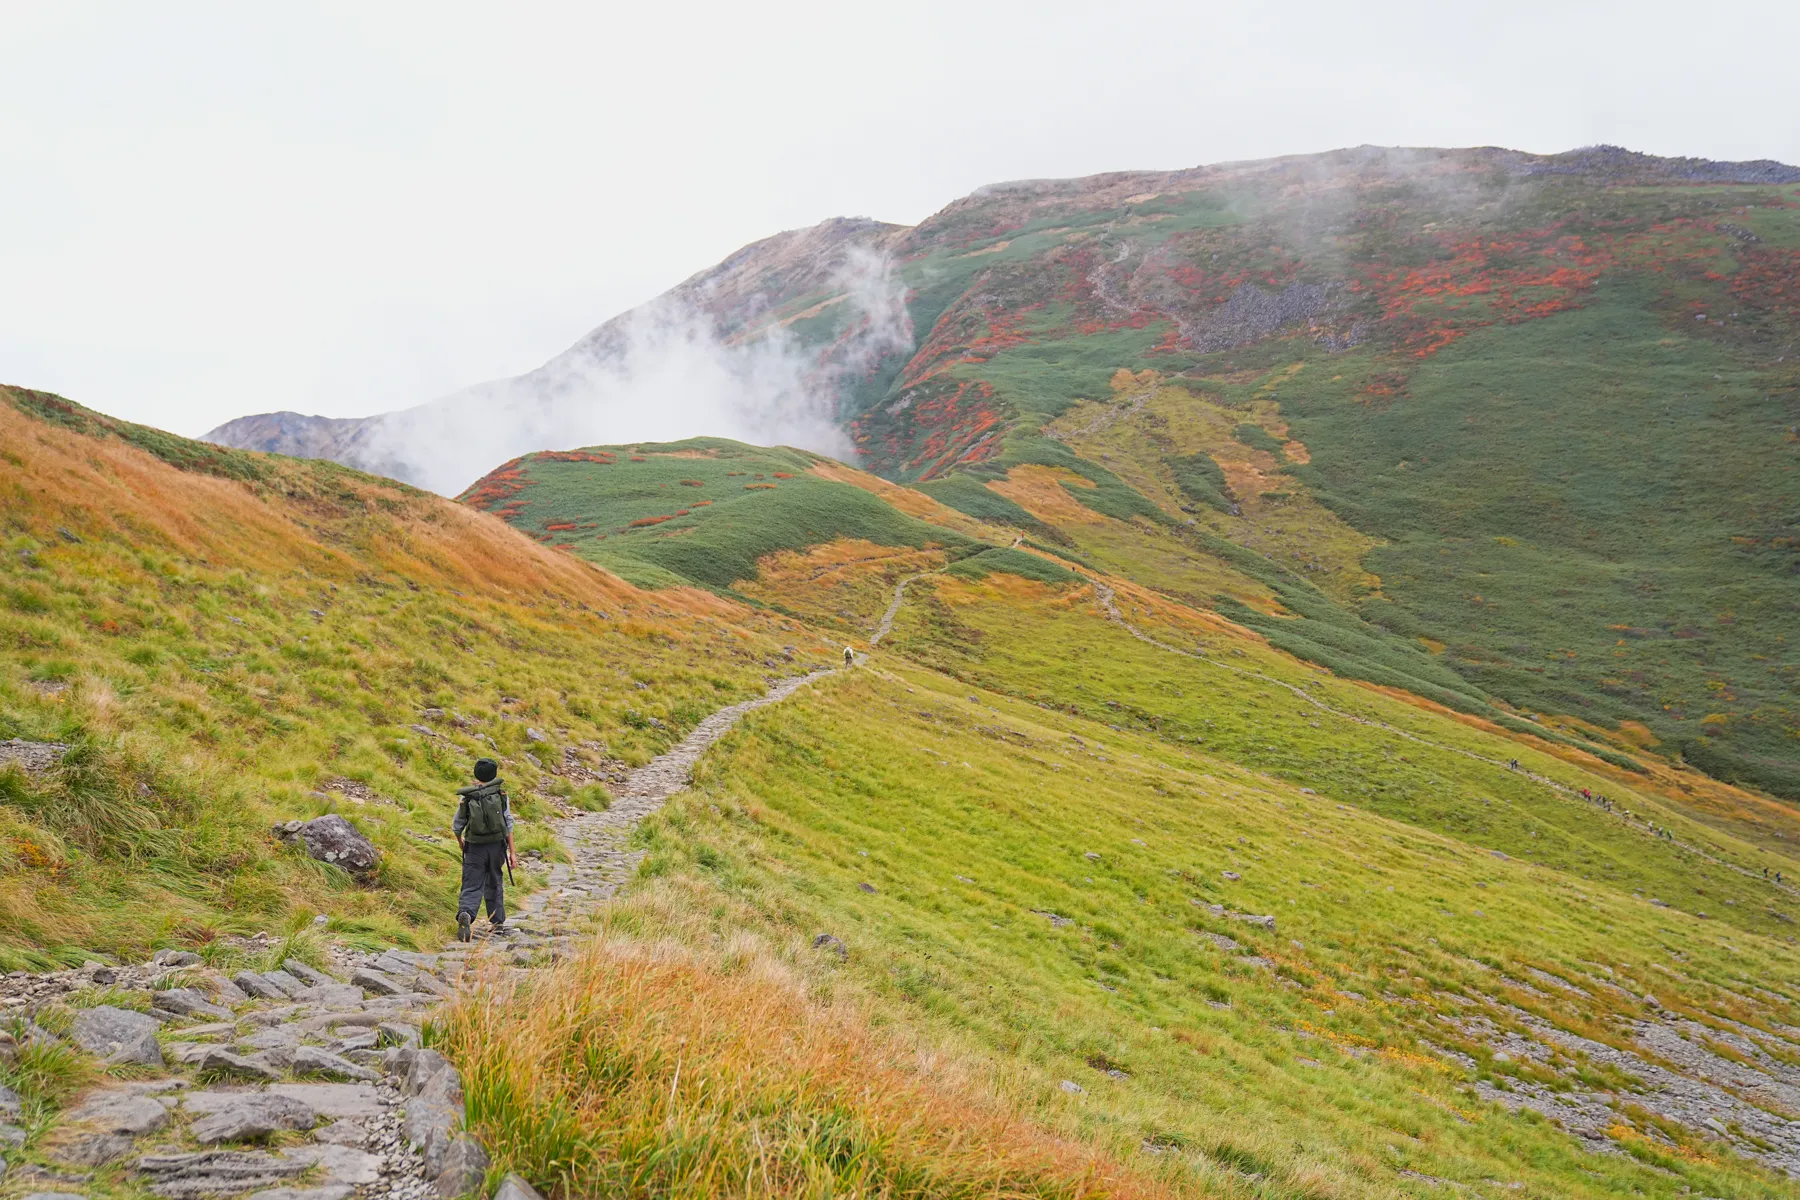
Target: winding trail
598, 842
893, 610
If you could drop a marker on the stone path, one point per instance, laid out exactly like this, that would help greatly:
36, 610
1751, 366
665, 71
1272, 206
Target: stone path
893, 609
599, 842
332, 1056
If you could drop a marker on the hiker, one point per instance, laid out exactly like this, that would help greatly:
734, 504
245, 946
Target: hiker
483, 827
849, 657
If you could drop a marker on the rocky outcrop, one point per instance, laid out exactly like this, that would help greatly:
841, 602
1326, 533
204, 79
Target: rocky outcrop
332, 839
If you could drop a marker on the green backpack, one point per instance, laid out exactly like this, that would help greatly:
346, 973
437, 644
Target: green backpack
487, 813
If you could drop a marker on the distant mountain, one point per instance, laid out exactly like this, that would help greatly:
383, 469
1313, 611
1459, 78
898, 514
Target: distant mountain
1535, 416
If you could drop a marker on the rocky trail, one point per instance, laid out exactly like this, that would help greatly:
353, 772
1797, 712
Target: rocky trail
294, 1083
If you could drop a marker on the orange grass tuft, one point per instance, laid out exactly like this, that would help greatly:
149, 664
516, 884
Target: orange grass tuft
639, 1069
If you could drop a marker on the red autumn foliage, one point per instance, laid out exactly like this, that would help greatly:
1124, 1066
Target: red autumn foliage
641, 522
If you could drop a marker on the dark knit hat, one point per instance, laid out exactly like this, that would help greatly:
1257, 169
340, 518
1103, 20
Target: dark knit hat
486, 769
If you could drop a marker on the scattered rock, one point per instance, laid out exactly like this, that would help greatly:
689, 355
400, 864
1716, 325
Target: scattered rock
342, 1133
1233, 876
306, 974
94, 1149
33, 758
12, 1135
831, 944
334, 1100
375, 981
1073, 1088
257, 986
463, 1166
286, 984
332, 839
119, 1110
331, 1191
118, 1035
515, 1188
255, 1115
223, 1062
11, 1106
216, 1172
332, 995
535, 735
310, 1060
398, 1033
175, 958
866, 887
187, 1002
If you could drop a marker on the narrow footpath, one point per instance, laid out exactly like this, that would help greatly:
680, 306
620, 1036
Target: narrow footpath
292, 1083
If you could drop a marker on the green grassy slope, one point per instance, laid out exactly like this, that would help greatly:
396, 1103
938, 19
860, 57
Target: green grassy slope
228, 640
1558, 407
1037, 889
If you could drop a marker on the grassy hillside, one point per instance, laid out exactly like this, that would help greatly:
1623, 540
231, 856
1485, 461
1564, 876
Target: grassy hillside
1545, 422
1131, 899
228, 640
1058, 901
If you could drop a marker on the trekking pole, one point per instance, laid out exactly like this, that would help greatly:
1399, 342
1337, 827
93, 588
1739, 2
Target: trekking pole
509, 875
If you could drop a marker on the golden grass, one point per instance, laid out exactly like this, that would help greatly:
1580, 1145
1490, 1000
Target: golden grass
640, 1068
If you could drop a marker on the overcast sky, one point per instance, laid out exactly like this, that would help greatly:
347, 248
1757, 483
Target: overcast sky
212, 210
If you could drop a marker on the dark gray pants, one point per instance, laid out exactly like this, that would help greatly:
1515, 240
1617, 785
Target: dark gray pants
482, 865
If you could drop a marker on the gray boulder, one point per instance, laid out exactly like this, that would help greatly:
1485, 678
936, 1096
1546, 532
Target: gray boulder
216, 1172
223, 1062
13, 1136
375, 981
11, 1106
513, 1187
187, 1002
257, 986
175, 958
93, 1150
310, 1060
256, 1115
463, 1166
332, 839
287, 984
306, 974
122, 1111
427, 1120
330, 1191
118, 1034
332, 995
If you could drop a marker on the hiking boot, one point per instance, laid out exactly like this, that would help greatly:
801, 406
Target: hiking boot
500, 929
462, 926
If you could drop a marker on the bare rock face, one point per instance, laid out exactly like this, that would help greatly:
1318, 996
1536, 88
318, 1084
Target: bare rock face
332, 839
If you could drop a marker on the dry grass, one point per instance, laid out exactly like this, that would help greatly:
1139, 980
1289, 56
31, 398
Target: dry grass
641, 1069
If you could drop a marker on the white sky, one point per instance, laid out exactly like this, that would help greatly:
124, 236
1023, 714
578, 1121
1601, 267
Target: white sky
208, 210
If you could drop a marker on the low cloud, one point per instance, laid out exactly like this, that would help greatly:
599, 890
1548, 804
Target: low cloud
659, 373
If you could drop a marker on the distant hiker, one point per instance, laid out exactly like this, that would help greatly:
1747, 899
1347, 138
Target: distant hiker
483, 827
849, 657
